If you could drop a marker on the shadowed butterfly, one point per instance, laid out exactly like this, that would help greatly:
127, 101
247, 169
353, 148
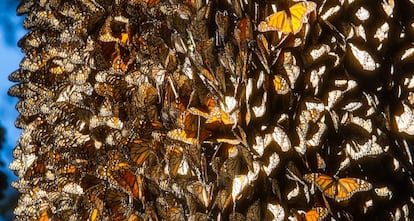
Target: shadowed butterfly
254, 211
202, 192
340, 189
141, 151
236, 217
150, 3
175, 214
133, 185
117, 204
288, 22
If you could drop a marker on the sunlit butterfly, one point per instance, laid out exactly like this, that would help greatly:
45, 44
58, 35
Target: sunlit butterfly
43, 216
316, 214
320, 162
94, 214
218, 117
240, 182
275, 212
183, 136
405, 121
370, 148
383, 192
388, 6
288, 22
177, 163
341, 189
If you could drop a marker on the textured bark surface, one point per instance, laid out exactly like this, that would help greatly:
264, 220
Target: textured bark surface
215, 110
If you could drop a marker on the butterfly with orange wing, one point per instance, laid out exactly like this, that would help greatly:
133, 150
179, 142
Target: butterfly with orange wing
316, 214
339, 189
288, 22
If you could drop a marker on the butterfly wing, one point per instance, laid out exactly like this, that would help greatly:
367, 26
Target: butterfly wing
320, 162
140, 151
183, 136
175, 214
316, 214
276, 22
325, 183
299, 13
346, 187
43, 216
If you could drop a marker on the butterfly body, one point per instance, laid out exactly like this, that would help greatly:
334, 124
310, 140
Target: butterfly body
341, 189
288, 22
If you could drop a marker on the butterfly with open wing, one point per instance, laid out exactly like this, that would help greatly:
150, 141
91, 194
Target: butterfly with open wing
288, 22
338, 189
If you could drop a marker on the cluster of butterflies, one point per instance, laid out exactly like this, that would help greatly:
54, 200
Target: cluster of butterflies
215, 110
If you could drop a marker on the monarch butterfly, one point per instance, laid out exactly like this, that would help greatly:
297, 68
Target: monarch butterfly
177, 163
235, 216
141, 151
43, 216
198, 112
320, 162
198, 216
388, 6
223, 199
175, 214
201, 191
117, 203
370, 148
280, 21
341, 189
280, 84
132, 184
36, 169
240, 182
183, 136
383, 192
276, 210
93, 214
316, 214
253, 212
150, 3
218, 117
233, 164
222, 20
